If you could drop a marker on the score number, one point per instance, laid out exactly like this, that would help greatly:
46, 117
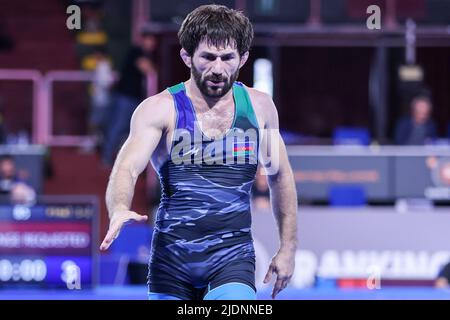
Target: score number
26, 270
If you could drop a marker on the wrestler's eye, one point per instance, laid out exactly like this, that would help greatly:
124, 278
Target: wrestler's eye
209, 57
227, 57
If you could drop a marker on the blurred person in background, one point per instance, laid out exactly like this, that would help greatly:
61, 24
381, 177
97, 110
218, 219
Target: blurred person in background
443, 278
100, 97
418, 128
12, 186
8, 174
6, 42
130, 90
2, 131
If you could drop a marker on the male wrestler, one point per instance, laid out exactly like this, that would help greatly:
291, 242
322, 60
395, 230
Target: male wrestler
205, 138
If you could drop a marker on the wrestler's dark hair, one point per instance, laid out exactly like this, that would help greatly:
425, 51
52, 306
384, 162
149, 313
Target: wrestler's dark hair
219, 26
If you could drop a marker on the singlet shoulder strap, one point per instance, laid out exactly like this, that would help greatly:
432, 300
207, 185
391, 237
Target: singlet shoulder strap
176, 88
185, 115
245, 114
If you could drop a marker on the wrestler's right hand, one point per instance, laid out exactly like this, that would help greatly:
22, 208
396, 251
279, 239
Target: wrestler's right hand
118, 220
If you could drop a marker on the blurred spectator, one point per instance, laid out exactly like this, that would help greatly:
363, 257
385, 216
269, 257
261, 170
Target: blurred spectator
100, 97
443, 278
418, 128
261, 191
11, 185
130, 90
448, 132
7, 174
6, 42
2, 131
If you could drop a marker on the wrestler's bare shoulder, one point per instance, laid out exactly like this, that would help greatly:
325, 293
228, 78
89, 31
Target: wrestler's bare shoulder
262, 104
156, 110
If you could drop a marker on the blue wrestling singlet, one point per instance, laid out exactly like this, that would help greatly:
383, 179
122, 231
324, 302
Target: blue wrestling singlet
202, 241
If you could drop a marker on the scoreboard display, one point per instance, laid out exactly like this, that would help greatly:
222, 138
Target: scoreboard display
50, 244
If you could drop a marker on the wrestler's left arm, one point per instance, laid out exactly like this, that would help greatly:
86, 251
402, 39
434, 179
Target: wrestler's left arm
283, 196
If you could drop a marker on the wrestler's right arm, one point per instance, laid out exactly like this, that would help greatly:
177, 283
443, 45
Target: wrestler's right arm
148, 123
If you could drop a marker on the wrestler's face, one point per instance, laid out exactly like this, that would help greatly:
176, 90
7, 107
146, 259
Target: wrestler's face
215, 69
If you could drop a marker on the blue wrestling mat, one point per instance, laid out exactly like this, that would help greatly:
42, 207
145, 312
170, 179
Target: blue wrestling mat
140, 293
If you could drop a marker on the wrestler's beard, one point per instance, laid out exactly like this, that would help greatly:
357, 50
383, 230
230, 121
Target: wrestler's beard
213, 91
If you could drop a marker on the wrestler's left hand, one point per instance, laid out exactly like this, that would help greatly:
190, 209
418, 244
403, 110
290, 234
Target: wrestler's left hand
283, 264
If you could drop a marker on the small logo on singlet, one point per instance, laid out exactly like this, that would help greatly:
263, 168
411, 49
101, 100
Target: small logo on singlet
243, 148
192, 151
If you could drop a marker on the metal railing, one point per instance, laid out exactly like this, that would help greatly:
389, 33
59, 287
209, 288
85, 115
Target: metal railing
42, 101
38, 96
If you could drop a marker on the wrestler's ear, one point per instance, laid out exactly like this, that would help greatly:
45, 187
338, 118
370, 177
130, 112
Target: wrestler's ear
244, 59
187, 59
